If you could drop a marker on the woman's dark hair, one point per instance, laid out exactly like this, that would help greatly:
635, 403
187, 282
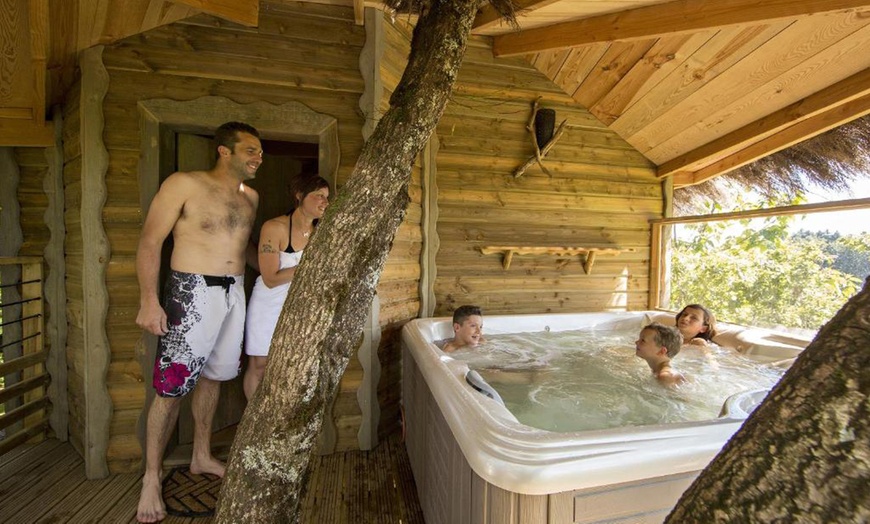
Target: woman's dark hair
709, 321
304, 184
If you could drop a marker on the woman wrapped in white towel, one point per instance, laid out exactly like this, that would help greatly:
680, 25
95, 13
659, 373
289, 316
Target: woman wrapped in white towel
282, 242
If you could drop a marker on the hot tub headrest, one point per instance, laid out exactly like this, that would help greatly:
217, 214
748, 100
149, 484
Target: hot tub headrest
476, 381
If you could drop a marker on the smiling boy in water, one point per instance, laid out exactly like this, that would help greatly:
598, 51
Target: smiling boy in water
467, 328
658, 344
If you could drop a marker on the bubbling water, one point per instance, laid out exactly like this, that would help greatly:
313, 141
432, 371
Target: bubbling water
585, 380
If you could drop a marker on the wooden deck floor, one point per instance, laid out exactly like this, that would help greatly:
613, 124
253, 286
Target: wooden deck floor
45, 483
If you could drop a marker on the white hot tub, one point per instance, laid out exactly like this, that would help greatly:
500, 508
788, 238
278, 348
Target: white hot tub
474, 463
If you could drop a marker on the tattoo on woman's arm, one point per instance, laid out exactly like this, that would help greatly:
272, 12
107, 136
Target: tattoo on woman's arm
267, 248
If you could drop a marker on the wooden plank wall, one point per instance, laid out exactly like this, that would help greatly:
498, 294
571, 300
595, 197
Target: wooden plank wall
300, 52
398, 290
601, 194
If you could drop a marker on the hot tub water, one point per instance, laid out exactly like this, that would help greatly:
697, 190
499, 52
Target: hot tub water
591, 379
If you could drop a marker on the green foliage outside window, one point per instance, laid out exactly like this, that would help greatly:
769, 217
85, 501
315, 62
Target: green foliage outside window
767, 276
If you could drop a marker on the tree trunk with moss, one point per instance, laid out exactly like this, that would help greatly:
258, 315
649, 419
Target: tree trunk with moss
804, 454
325, 311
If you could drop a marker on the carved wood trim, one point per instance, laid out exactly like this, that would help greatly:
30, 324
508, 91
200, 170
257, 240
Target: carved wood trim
96, 255
55, 290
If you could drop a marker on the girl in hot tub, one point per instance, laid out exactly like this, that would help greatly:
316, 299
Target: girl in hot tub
697, 325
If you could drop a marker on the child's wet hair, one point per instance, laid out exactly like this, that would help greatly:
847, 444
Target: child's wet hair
666, 336
463, 312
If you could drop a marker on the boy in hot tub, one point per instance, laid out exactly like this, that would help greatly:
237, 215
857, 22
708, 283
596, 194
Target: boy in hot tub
467, 328
658, 344
468, 333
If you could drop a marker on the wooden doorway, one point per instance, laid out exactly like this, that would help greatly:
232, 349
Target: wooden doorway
293, 127
282, 163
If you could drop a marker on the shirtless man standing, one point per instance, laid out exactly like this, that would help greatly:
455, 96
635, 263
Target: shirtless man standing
210, 215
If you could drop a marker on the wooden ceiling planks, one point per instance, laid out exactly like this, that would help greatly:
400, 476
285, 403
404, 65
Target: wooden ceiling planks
788, 137
715, 108
725, 49
103, 22
822, 102
691, 84
15, 60
577, 66
662, 58
24, 40
42, 47
613, 66
699, 103
653, 21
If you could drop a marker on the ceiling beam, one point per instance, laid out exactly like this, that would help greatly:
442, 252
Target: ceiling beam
681, 16
245, 12
851, 88
488, 17
800, 131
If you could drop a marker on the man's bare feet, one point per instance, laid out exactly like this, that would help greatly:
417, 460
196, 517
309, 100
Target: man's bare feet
209, 465
151, 507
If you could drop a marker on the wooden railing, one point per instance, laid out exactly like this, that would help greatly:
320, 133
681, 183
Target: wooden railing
24, 404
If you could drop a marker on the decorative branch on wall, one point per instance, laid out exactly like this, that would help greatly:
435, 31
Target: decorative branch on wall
588, 253
540, 151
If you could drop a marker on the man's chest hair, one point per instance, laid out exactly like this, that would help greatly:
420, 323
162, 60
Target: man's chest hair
220, 214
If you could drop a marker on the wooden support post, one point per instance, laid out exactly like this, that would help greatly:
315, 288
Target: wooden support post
590, 260
508, 256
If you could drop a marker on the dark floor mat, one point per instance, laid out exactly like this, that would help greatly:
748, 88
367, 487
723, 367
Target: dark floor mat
188, 495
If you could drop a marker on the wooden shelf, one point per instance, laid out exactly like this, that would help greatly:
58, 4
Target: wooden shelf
588, 253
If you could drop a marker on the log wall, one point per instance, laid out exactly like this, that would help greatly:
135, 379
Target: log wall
600, 193
307, 53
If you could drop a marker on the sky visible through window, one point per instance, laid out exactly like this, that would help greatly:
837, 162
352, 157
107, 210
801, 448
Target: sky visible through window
845, 222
